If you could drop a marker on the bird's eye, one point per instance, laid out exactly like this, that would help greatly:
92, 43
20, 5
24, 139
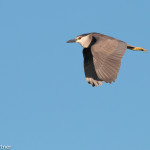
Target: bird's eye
79, 37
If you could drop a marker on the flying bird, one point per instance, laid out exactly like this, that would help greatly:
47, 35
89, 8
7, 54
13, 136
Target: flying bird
102, 56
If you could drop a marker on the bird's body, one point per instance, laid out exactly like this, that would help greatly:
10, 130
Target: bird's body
102, 56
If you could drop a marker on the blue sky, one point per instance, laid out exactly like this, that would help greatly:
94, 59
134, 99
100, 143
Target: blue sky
45, 102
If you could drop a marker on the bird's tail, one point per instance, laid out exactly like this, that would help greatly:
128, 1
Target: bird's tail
136, 48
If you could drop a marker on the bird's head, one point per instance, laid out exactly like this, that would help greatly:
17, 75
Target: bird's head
83, 39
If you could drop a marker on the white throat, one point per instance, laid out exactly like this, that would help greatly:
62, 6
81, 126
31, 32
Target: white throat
84, 41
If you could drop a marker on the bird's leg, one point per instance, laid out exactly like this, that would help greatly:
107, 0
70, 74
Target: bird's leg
136, 48
139, 49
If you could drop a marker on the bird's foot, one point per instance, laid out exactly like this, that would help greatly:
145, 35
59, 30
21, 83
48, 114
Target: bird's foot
139, 49
94, 82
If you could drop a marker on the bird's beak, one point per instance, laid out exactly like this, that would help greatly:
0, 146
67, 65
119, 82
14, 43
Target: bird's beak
71, 41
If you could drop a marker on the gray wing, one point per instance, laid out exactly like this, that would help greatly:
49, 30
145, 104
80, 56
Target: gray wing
107, 53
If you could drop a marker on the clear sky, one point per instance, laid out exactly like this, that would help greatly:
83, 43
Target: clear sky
45, 101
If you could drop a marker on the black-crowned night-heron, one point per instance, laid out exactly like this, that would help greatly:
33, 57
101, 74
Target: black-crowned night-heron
102, 56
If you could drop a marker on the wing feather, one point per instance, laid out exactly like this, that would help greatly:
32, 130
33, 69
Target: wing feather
102, 60
107, 53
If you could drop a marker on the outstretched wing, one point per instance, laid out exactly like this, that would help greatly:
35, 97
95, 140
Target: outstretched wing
107, 53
